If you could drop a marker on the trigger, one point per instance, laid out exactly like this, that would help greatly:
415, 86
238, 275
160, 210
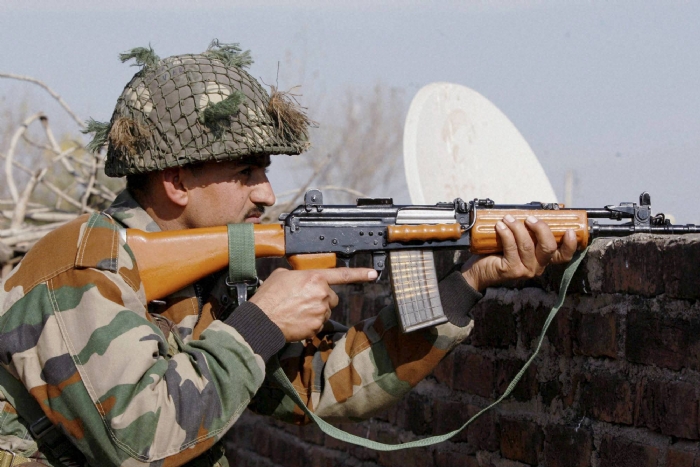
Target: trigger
379, 263
345, 261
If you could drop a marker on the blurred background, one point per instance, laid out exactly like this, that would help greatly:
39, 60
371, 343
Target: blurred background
606, 93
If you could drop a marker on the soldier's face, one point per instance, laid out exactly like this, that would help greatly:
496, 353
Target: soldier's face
229, 192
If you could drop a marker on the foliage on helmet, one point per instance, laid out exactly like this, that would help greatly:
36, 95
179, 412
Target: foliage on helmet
229, 54
144, 56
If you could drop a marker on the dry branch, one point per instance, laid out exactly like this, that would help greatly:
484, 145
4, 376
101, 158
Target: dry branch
11, 152
21, 206
53, 93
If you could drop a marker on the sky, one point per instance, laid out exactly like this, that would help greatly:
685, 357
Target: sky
608, 90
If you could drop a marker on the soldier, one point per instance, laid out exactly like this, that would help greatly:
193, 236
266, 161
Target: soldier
91, 373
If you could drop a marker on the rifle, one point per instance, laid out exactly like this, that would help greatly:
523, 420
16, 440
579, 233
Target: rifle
315, 236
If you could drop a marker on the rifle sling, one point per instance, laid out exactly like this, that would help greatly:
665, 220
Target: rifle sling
241, 253
281, 378
242, 277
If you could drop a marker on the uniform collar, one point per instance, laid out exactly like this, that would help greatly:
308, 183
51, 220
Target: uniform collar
128, 212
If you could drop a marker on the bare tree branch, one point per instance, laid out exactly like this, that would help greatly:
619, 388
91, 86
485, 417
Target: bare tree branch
53, 93
21, 207
57, 191
90, 184
11, 152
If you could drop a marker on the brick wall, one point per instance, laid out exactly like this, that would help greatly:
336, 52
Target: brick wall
616, 383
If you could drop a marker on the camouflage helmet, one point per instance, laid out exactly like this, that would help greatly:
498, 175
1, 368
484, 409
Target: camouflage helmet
194, 108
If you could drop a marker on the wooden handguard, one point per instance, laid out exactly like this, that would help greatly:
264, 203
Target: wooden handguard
171, 260
423, 233
485, 240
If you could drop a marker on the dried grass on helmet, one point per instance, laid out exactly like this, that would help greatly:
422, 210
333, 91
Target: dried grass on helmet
128, 134
289, 116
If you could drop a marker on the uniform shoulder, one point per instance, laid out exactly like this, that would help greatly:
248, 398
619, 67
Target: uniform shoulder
90, 241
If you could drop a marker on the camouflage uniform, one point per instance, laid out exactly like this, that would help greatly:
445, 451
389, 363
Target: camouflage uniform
131, 383
133, 386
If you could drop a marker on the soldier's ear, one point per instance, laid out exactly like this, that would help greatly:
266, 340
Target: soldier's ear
175, 189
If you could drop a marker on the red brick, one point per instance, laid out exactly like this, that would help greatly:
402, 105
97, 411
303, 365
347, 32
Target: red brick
448, 416
680, 270
473, 373
521, 440
633, 268
680, 458
494, 325
288, 450
567, 446
670, 407
412, 413
416, 457
419, 414
321, 457
445, 458
662, 340
595, 335
386, 433
608, 398
532, 321
570, 391
505, 372
482, 434
311, 432
621, 452
244, 458
549, 390
444, 372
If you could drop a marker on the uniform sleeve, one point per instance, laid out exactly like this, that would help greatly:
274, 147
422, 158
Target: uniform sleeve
352, 374
82, 344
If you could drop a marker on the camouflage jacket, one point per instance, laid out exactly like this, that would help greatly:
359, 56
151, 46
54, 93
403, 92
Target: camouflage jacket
135, 385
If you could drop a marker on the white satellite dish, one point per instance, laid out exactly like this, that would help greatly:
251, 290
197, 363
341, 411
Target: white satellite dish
457, 144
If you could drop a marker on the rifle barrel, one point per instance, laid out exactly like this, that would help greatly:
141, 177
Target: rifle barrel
624, 230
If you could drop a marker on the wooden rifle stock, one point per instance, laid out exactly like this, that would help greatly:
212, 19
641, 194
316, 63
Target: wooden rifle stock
171, 260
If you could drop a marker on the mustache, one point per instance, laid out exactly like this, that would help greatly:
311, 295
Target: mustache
257, 211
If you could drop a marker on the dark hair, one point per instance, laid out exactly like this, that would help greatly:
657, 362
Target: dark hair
138, 185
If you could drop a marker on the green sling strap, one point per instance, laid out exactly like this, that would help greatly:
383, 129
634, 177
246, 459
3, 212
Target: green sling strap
241, 260
281, 378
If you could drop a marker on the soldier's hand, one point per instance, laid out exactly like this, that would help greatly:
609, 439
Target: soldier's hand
523, 257
300, 302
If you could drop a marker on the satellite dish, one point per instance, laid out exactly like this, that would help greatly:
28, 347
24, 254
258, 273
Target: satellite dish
457, 144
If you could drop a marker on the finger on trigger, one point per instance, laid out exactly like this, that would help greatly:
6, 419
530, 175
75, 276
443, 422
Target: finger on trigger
546, 245
348, 275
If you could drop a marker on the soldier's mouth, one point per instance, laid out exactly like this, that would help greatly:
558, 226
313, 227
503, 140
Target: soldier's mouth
254, 215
